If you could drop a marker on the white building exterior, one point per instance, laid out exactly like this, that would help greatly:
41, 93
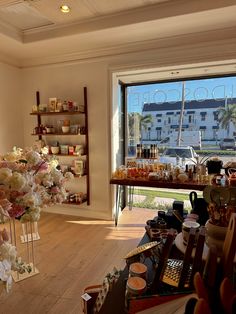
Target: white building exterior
198, 115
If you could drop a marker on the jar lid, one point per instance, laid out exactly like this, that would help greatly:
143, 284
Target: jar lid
138, 268
190, 224
136, 284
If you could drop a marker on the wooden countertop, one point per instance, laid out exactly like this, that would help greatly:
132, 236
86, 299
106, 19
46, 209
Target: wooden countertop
159, 184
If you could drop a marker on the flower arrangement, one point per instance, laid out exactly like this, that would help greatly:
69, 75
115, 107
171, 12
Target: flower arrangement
9, 261
29, 181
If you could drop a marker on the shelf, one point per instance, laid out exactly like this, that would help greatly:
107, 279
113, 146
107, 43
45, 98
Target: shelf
83, 131
56, 113
67, 155
74, 203
56, 134
79, 175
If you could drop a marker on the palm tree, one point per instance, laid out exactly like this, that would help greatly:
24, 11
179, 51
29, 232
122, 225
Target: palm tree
226, 115
137, 123
144, 122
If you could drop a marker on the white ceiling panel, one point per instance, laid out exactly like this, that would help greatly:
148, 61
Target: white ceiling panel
103, 7
51, 10
37, 29
22, 16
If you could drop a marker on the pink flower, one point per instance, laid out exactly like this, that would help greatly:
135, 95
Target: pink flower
16, 211
6, 205
55, 190
43, 166
15, 194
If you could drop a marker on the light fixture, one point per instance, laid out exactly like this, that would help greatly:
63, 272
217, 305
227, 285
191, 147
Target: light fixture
65, 8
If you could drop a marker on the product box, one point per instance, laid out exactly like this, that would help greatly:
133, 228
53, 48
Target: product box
64, 149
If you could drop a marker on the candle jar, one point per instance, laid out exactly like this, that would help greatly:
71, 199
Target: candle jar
135, 286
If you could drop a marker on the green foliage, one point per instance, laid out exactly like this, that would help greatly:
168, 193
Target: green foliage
226, 115
150, 203
216, 152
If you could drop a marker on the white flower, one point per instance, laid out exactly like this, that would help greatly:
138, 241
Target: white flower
44, 150
53, 163
31, 199
5, 273
33, 158
57, 176
8, 252
69, 175
5, 174
12, 156
17, 181
32, 215
47, 180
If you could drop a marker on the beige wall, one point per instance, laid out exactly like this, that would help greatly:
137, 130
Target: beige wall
67, 82
11, 119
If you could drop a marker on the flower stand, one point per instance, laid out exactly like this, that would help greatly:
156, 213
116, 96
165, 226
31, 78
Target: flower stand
27, 237
29, 265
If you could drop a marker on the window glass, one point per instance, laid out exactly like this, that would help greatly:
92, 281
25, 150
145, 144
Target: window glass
198, 113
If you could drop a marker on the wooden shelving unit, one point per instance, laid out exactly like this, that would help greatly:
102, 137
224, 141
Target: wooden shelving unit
84, 156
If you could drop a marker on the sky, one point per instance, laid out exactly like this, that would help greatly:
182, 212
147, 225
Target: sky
214, 88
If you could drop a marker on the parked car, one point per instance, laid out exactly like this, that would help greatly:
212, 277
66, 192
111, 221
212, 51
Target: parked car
182, 155
227, 143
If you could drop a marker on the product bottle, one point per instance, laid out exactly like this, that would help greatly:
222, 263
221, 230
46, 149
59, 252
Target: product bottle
190, 174
151, 151
138, 151
194, 173
186, 169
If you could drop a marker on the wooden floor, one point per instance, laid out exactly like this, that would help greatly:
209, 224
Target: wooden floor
72, 253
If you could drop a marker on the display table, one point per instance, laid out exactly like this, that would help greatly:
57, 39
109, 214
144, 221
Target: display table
143, 182
115, 300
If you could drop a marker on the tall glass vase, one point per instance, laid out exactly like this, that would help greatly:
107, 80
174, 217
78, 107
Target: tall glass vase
29, 235
25, 237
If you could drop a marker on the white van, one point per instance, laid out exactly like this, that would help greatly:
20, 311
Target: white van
188, 138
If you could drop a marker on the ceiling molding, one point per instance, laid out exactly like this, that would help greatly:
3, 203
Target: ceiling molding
162, 48
138, 15
10, 61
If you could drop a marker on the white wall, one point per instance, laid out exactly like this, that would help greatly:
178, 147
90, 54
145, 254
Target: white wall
67, 82
11, 119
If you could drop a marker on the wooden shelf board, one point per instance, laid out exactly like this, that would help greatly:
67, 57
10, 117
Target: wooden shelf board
67, 155
56, 134
78, 175
56, 113
73, 203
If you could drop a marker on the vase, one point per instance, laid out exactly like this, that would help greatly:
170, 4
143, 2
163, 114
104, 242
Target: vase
215, 235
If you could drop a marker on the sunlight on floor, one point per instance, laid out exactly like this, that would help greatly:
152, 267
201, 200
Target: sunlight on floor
91, 222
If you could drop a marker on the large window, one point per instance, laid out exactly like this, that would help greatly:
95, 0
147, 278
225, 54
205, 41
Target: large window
204, 109
200, 113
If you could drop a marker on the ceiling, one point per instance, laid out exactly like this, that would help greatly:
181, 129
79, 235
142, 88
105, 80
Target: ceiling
36, 32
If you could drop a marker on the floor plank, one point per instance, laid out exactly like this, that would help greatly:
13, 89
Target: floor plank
72, 253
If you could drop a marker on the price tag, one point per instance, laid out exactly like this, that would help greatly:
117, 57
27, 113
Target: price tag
86, 297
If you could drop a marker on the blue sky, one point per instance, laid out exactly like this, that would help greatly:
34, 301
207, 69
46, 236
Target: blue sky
215, 88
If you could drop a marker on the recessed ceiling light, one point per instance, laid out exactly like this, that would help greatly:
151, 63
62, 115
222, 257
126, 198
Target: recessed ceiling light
65, 8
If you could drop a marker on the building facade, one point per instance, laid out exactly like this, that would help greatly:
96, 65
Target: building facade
198, 116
